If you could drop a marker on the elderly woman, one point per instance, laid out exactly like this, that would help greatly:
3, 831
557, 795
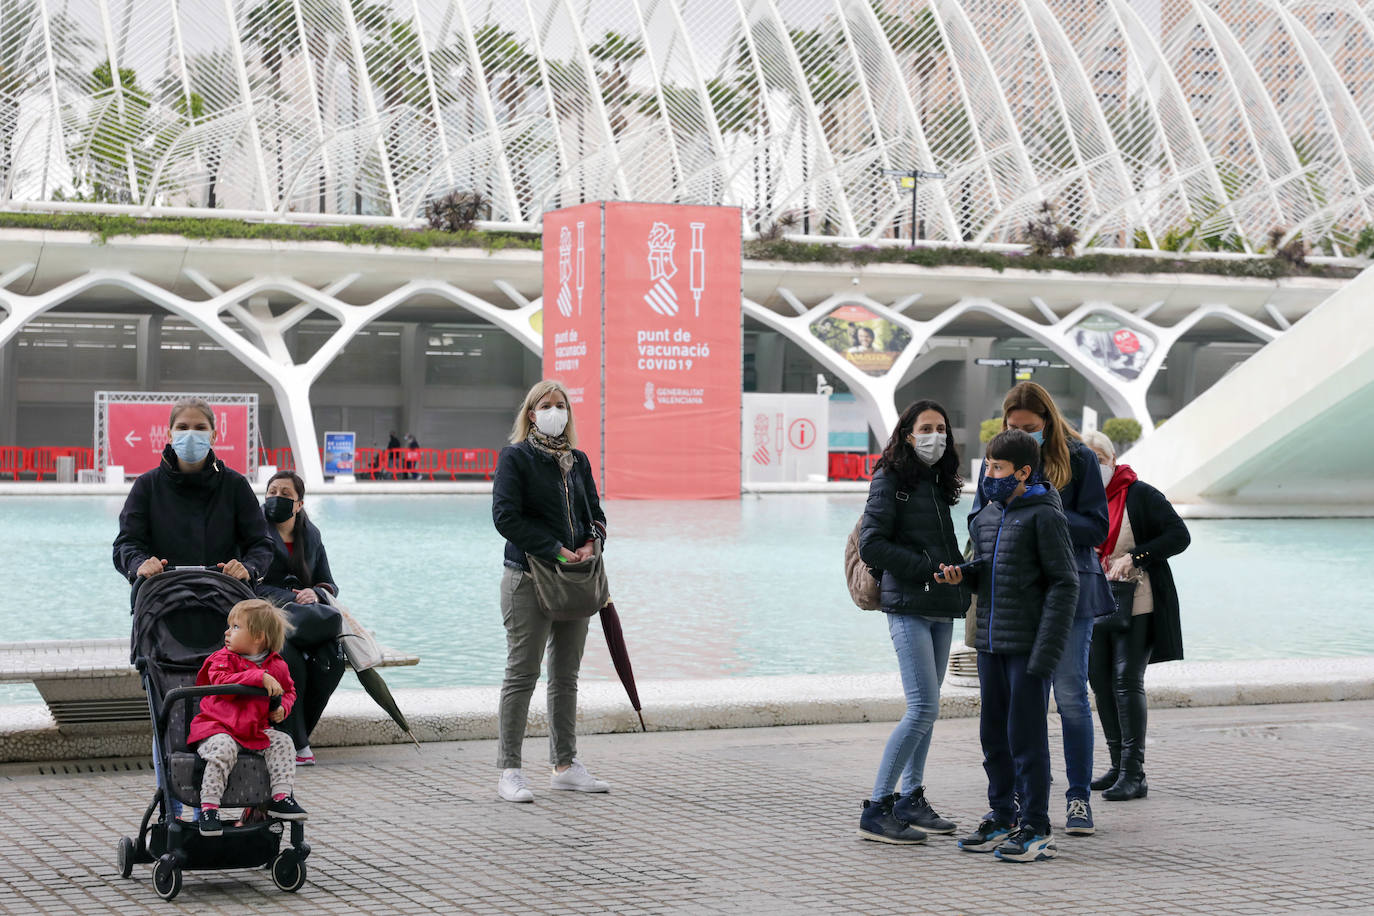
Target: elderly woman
1143, 532
544, 503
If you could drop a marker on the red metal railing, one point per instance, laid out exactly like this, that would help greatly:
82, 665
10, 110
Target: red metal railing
41, 461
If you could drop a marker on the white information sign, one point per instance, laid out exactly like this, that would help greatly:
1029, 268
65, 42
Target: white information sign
786, 437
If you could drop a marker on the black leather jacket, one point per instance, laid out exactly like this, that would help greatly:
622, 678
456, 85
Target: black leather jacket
906, 534
537, 510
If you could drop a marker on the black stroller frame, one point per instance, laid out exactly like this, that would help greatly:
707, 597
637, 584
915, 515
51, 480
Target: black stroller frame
169, 844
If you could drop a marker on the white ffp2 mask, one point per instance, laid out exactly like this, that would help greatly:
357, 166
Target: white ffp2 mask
551, 421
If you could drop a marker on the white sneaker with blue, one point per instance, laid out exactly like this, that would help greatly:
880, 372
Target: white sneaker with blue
1027, 845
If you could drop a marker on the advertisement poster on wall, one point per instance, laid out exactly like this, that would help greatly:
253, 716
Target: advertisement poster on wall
1120, 350
571, 317
674, 342
848, 424
870, 342
785, 437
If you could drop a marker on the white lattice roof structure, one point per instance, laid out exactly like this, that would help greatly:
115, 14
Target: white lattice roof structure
1148, 123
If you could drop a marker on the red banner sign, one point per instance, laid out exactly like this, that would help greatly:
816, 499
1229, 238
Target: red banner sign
658, 320
138, 433
572, 317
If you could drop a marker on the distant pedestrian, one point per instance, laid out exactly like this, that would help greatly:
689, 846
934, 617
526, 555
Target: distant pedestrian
1144, 531
1024, 571
412, 456
906, 534
393, 454
545, 504
1071, 468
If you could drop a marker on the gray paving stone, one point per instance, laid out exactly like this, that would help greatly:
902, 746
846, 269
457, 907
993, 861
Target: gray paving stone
749, 821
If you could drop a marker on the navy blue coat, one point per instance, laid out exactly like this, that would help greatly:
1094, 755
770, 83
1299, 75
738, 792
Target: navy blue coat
1084, 504
537, 510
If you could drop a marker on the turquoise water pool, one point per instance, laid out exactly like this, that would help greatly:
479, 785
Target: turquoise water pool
708, 589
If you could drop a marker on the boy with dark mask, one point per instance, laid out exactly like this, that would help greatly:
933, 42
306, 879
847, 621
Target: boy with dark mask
1023, 571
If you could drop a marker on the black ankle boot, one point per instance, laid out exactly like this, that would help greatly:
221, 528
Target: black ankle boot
1131, 784
1108, 779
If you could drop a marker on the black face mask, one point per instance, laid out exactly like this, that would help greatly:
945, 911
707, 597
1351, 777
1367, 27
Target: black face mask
278, 508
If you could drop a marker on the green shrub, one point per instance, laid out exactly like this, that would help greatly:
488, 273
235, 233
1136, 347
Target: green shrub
1121, 430
989, 428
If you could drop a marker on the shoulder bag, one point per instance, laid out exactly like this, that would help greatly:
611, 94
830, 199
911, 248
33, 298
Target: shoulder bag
572, 591
864, 588
1119, 620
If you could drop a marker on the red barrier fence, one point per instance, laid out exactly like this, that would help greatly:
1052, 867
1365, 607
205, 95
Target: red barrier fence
42, 461
404, 463
852, 466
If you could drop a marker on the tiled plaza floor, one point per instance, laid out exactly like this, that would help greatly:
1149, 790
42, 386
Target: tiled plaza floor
1251, 810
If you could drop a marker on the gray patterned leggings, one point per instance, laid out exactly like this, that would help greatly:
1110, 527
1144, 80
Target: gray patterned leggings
221, 751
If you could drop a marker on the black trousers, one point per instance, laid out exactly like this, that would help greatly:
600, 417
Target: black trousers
316, 671
1116, 671
1015, 737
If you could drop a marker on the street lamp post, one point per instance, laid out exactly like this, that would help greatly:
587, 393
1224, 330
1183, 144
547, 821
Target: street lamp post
910, 178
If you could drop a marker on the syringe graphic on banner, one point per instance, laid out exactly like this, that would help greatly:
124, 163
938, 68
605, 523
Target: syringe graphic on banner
777, 435
698, 277
564, 272
581, 262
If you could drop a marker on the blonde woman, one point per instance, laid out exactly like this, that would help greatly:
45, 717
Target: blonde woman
1071, 468
544, 503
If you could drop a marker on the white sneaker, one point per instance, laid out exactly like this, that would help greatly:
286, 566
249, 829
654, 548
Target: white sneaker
513, 787
576, 779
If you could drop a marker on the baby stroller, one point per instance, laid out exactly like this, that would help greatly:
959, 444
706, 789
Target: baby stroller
179, 621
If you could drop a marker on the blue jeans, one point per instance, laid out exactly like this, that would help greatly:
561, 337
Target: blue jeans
1075, 715
922, 653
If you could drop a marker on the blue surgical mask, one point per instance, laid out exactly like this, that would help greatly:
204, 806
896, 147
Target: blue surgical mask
191, 445
1038, 436
999, 489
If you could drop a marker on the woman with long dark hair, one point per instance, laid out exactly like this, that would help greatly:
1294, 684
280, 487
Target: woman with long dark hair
905, 536
295, 580
1071, 468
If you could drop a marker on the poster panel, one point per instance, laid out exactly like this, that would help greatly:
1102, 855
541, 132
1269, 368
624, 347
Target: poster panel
673, 356
138, 432
848, 424
338, 453
571, 317
785, 437
1120, 350
870, 342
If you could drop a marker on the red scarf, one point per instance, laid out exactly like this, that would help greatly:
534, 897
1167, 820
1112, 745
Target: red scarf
1116, 508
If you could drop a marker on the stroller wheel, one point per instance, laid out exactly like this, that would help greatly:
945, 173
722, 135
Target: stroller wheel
288, 871
167, 877
126, 857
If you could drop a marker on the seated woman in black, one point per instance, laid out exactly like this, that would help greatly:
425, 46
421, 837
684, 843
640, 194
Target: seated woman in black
298, 574
191, 510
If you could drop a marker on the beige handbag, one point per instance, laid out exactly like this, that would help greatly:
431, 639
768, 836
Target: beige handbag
865, 590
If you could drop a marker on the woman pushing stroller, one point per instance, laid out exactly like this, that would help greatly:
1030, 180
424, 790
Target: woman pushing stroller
252, 640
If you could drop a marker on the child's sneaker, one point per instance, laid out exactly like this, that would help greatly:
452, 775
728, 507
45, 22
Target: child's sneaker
878, 823
209, 822
305, 757
916, 811
986, 838
1079, 819
286, 809
1027, 845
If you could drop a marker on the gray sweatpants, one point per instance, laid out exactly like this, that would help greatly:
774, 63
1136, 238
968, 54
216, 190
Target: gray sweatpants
221, 751
528, 631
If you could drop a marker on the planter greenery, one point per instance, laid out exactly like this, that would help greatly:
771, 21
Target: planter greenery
1123, 431
108, 226
989, 428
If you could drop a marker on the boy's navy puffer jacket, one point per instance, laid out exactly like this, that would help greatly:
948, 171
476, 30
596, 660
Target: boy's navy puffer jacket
1026, 579
906, 534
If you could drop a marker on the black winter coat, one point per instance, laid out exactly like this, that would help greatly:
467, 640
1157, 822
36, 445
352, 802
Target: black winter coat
280, 584
1159, 534
199, 519
1023, 570
537, 510
1083, 500
906, 535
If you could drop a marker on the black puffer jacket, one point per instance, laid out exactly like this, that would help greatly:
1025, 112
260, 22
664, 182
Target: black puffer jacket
537, 510
199, 519
906, 535
1025, 575
280, 583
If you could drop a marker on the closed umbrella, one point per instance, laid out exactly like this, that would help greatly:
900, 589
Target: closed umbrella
377, 689
620, 656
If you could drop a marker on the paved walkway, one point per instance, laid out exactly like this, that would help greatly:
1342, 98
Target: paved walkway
1257, 810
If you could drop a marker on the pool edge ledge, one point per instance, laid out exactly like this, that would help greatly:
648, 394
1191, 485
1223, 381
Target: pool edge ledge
27, 733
